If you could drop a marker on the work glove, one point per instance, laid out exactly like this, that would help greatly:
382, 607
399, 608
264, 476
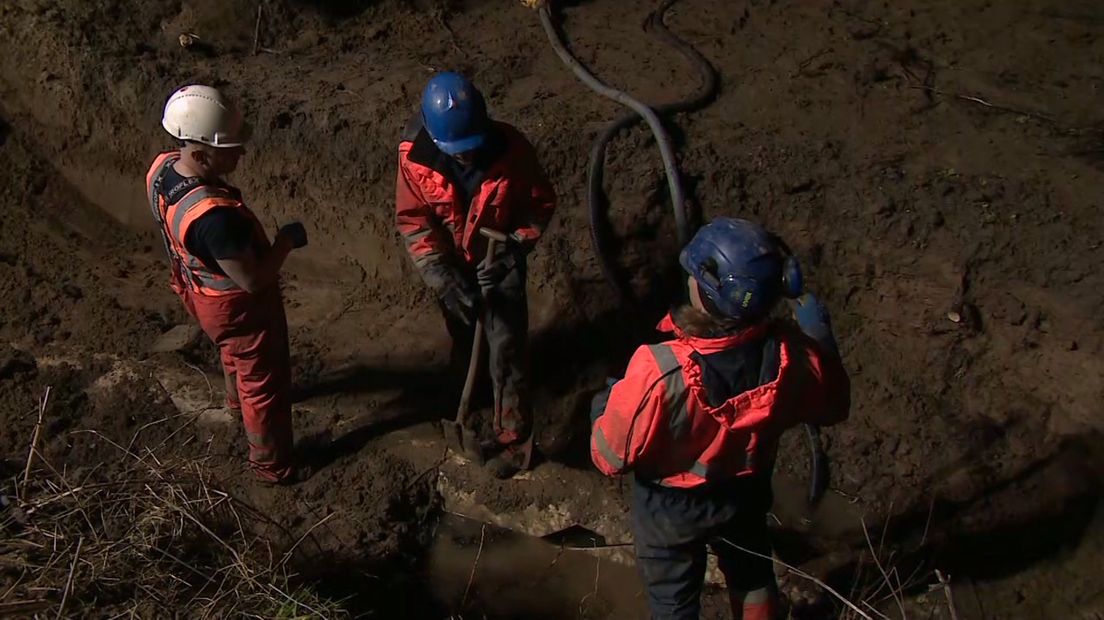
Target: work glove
295, 233
460, 298
462, 302
507, 255
813, 319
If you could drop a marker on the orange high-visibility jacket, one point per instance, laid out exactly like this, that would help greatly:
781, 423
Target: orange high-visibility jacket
514, 198
659, 423
177, 218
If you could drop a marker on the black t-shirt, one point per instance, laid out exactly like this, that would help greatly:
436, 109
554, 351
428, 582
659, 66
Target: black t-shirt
219, 234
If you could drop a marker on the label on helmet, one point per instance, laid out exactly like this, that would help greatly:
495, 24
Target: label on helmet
747, 299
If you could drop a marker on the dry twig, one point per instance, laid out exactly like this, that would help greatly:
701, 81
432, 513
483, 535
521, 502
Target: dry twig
983, 102
800, 573
471, 577
257, 29
597, 575
896, 594
34, 440
945, 581
69, 581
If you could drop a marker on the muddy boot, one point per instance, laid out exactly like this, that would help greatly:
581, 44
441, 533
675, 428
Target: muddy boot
513, 459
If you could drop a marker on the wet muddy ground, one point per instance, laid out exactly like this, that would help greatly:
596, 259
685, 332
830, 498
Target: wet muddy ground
926, 159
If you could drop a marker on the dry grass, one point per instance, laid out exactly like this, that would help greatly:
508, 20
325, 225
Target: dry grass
879, 589
144, 538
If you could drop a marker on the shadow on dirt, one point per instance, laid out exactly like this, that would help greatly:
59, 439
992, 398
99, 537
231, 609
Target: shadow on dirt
338, 9
419, 399
1001, 529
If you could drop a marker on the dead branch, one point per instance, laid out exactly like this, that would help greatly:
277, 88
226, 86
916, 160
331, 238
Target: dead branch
471, 577
34, 440
983, 102
287, 556
69, 581
945, 581
257, 29
800, 573
878, 562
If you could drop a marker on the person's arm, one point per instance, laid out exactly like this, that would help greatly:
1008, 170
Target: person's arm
815, 389
622, 430
533, 217
227, 236
416, 223
254, 273
430, 250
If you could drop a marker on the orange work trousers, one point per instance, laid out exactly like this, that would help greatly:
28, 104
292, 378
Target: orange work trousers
251, 333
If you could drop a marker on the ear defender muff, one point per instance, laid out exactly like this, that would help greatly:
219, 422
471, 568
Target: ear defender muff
793, 284
739, 292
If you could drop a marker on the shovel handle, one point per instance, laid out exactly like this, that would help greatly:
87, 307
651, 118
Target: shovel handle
493, 237
473, 369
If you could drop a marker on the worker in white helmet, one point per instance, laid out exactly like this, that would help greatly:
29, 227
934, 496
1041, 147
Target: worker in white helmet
224, 268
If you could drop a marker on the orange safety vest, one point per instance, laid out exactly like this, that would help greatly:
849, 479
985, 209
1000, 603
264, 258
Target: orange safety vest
174, 221
658, 422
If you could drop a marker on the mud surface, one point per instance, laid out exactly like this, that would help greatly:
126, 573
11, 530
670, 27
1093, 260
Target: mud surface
937, 165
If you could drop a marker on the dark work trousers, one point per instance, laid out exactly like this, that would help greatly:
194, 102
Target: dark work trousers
672, 528
506, 325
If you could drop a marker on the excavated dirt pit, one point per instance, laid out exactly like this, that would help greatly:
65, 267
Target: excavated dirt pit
937, 165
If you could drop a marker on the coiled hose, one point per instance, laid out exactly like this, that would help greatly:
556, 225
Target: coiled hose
599, 225
674, 184
818, 460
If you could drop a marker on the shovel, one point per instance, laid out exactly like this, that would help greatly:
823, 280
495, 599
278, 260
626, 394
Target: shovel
459, 435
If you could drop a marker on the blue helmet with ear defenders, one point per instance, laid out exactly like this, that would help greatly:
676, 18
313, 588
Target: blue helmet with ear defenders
741, 269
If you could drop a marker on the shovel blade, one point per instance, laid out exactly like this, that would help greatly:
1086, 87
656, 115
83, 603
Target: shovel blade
462, 440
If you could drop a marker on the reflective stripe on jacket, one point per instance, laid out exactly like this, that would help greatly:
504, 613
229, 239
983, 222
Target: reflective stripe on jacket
514, 197
175, 219
659, 423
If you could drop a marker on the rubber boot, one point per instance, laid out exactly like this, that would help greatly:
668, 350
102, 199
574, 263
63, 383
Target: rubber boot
761, 604
512, 460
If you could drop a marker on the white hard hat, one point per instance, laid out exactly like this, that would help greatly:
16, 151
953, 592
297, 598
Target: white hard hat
203, 114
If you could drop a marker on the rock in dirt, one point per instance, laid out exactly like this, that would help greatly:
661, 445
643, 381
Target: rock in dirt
177, 339
14, 362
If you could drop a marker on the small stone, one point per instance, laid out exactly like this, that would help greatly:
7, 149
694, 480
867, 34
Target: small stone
954, 317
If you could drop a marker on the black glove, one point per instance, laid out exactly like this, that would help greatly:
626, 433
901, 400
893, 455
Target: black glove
494, 270
463, 303
296, 233
457, 294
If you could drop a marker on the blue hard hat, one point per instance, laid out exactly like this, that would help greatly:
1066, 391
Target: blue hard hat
742, 269
454, 113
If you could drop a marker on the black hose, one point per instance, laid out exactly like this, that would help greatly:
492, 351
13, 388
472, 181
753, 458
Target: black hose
663, 141
818, 459
596, 198
818, 465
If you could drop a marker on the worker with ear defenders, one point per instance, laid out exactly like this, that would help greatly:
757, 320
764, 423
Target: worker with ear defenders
697, 418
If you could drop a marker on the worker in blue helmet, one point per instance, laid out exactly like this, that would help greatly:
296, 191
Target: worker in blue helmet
460, 171
697, 418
